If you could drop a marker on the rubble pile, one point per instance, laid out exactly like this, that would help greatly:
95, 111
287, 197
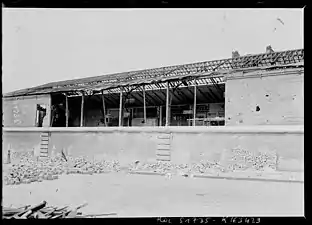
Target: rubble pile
205, 166
21, 155
158, 167
29, 169
244, 159
83, 165
180, 169
42, 211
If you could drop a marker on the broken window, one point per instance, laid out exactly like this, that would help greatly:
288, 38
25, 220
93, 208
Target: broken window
41, 112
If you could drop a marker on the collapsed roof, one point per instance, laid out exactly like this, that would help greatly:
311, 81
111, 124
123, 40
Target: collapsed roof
212, 71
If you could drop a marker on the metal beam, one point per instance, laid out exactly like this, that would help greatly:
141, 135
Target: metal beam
66, 105
194, 110
104, 108
167, 105
120, 110
160, 115
82, 106
144, 105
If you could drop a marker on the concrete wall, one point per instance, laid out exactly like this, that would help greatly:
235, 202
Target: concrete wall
288, 145
19, 142
278, 95
126, 147
187, 144
21, 111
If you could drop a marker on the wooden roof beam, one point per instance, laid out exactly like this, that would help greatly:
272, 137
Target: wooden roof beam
141, 96
184, 96
203, 94
158, 97
210, 93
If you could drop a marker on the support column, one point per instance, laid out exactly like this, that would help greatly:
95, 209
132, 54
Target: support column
194, 111
167, 105
66, 112
160, 116
104, 108
144, 105
82, 106
120, 109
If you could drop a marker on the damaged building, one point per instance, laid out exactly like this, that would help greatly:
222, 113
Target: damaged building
180, 114
213, 93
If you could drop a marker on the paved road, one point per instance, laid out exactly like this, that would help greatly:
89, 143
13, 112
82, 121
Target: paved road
148, 195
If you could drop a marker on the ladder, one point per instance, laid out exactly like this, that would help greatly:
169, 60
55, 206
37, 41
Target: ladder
44, 144
163, 147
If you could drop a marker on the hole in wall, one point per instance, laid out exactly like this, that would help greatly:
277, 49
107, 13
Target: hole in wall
257, 108
229, 118
266, 95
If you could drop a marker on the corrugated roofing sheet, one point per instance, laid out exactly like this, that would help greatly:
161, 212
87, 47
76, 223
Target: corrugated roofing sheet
149, 76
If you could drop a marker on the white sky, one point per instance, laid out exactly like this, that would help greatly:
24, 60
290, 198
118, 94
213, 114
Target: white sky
45, 45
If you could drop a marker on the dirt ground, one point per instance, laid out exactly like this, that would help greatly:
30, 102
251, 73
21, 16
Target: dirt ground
131, 195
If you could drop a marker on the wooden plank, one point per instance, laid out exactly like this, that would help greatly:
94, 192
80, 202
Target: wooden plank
163, 147
45, 147
164, 136
163, 158
44, 142
163, 141
163, 153
44, 134
44, 138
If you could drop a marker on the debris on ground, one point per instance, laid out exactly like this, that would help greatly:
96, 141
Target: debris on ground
30, 169
42, 211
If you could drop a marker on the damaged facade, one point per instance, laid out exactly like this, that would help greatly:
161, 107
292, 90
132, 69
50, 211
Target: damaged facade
243, 90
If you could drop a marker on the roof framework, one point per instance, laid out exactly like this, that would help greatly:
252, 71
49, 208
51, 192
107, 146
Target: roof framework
205, 73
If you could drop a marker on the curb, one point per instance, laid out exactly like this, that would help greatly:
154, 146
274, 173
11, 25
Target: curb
147, 173
249, 178
223, 177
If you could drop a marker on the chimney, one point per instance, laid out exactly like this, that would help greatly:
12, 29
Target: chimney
235, 54
269, 49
